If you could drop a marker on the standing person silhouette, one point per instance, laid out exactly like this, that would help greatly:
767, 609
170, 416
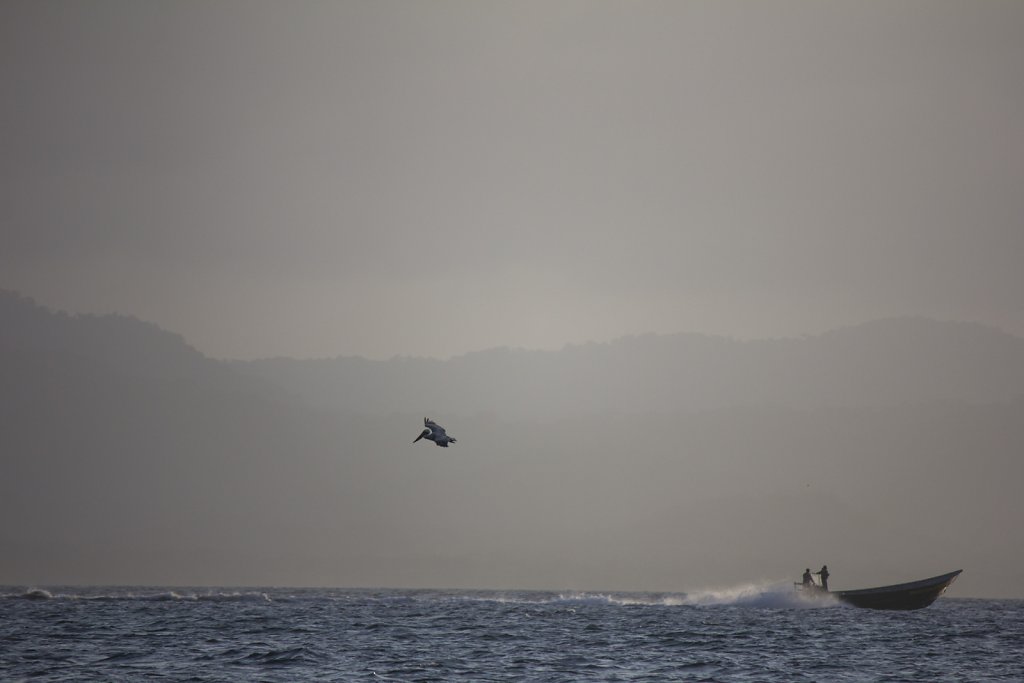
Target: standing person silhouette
808, 579
824, 576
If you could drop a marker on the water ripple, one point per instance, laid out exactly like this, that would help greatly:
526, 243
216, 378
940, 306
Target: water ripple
55, 634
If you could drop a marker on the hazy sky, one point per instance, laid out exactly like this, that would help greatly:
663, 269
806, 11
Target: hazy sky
430, 178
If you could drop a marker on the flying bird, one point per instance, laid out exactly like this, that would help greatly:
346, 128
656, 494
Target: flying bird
434, 432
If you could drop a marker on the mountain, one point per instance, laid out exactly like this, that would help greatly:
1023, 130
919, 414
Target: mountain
128, 457
120, 345
884, 363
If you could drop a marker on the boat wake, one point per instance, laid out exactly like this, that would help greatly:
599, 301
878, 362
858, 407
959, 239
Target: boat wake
766, 594
774, 594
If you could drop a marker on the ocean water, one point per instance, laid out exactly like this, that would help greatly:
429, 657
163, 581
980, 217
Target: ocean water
752, 633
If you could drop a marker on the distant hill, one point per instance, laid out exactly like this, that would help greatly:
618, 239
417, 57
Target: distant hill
883, 363
889, 450
121, 345
126, 455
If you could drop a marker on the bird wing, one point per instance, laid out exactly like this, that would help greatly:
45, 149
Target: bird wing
437, 429
438, 432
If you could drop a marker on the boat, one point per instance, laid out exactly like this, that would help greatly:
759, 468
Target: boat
900, 596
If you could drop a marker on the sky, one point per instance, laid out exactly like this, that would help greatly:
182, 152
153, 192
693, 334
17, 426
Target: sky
429, 179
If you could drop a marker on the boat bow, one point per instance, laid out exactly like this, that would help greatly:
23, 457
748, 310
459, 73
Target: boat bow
901, 596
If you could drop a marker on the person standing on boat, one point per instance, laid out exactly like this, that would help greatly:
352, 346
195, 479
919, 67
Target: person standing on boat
824, 576
808, 579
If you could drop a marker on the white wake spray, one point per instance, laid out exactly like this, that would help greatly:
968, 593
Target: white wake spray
777, 594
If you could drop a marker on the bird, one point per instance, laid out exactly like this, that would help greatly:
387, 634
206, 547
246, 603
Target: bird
434, 432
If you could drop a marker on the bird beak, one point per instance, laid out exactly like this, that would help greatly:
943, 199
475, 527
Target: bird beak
418, 438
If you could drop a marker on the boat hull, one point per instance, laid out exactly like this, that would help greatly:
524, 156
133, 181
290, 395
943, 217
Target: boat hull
902, 596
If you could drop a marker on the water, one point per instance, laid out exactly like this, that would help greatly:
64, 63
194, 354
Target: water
748, 634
